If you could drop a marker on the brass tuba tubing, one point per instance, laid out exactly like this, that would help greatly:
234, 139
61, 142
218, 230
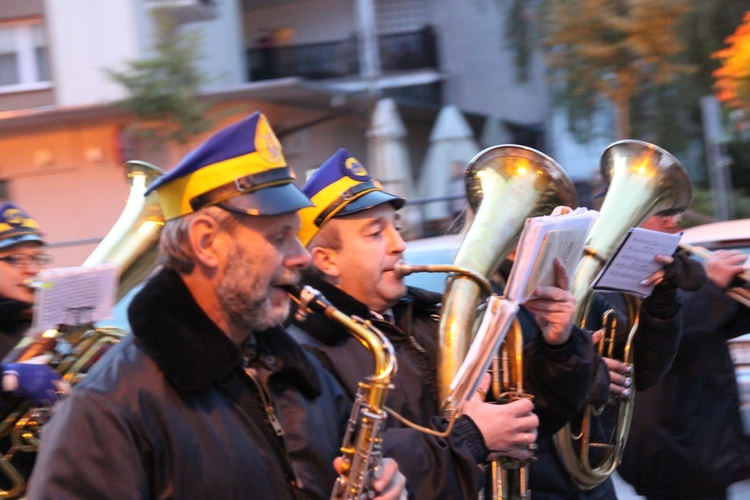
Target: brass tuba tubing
739, 292
405, 269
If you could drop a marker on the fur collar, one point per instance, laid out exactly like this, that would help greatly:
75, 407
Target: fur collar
191, 350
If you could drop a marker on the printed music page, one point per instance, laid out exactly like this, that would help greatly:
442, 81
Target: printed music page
543, 239
74, 295
633, 261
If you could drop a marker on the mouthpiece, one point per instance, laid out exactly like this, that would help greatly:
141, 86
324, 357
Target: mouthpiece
309, 300
402, 268
33, 284
293, 290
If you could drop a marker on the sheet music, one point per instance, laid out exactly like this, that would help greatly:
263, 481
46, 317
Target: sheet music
74, 295
543, 239
633, 261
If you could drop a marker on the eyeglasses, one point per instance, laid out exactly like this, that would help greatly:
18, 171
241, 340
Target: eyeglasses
22, 260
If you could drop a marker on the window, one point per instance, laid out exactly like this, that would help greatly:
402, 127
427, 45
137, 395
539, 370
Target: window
24, 60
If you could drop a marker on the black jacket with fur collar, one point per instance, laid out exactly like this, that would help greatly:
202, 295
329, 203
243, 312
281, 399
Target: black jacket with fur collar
170, 412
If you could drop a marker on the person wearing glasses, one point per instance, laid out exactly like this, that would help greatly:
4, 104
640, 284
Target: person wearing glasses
21, 258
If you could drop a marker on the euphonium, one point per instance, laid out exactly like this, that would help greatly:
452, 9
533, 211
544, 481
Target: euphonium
361, 448
132, 244
644, 180
505, 185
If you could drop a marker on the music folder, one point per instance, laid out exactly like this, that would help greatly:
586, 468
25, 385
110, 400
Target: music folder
543, 239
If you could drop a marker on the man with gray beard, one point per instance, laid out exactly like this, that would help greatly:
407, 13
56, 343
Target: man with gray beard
210, 398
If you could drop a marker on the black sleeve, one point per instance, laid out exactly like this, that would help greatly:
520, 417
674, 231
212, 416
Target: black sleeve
559, 377
657, 339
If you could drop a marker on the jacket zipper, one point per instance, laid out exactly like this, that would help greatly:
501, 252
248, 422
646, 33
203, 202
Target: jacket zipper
267, 405
266, 399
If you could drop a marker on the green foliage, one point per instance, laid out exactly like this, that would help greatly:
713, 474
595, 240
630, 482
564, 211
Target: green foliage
163, 90
703, 204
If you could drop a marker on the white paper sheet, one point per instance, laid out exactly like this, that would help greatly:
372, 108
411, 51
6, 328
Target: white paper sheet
633, 261
74, 295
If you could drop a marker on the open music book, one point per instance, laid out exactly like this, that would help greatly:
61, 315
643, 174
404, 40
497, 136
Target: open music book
633, 261
543, 239
74, 295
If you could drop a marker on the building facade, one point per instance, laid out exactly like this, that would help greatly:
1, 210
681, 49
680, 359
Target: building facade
316, 68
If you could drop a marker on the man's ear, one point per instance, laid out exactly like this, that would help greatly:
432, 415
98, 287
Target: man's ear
326, 259
203, 235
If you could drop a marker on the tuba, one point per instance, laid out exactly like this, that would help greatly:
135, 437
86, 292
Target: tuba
361, 448
644, 180
73, 350
505, 185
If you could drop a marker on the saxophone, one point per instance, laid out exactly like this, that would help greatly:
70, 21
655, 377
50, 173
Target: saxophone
361, 449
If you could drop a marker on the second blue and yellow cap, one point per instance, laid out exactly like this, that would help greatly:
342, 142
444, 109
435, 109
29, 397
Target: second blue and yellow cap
16, 226
340, 186
240, 168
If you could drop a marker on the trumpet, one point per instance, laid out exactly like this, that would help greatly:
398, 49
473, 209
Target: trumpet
361, 448
737, 289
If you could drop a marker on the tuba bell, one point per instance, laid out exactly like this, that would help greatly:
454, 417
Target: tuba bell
73, 350
644, 180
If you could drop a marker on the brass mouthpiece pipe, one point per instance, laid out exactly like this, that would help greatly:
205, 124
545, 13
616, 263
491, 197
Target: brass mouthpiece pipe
404, 269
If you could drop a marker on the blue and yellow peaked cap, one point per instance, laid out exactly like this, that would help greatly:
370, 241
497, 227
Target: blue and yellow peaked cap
240, 168
340, 186
16, 226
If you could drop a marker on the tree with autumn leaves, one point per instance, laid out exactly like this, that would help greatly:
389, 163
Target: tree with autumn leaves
732, 85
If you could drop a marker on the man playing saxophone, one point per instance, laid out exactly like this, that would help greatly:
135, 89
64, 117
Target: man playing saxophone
209, 397
352, 234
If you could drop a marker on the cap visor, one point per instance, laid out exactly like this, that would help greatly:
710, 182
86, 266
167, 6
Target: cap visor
371, 199
9, 242
273, 200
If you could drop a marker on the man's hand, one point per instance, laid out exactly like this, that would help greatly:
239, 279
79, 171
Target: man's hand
677, 271
724, 265
554, 307
508, 429
620, 374
390, 485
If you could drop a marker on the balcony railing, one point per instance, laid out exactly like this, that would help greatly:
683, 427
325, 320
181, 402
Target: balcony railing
401, 51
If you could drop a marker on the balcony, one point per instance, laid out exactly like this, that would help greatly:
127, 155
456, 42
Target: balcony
398, 52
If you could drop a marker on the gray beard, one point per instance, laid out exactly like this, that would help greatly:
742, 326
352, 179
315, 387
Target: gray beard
244, 297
